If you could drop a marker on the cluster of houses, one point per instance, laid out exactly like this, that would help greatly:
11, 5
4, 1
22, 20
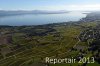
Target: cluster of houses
89, 33
92, 36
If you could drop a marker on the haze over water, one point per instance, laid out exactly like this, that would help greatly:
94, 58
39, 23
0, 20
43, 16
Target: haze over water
39, 19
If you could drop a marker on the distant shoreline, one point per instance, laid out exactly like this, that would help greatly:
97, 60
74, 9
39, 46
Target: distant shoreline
21, 12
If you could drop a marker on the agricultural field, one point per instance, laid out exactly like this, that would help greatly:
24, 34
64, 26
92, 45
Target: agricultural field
30, 45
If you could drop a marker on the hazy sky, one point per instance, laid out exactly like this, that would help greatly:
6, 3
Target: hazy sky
49, 4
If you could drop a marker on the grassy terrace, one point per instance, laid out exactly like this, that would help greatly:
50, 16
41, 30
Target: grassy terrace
30, 49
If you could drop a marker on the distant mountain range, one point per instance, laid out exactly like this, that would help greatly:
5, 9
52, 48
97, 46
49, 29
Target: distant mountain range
21, 12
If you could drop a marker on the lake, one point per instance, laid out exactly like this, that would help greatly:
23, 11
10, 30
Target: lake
39, 19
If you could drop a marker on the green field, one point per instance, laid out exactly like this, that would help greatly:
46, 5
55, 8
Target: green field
29, 46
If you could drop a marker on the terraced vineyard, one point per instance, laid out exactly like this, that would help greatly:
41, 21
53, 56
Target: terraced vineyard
30, 45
